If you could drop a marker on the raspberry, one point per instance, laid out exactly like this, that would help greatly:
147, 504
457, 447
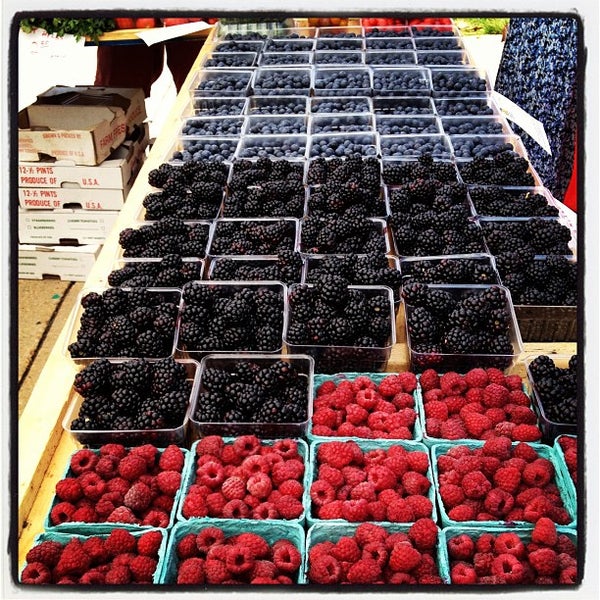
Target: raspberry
476, 378
367, 399
335, 454
365, 570
327, 387
113, 449
73, 560
544, 532
286, 556
289, 469
209, 537
403, 400
47, 553
169, 482
500, 447
544, 561
171, 459
132, 467
138, 498
421, 506
496, 376
85, 514
259, 485
390, 385
475, 484
263, 569
343, 395
119, 485
498, 502
321, 492
507, 479
569, 575
423, 533
452, 384
436, 409
92, 577
107, 466
92, 485
355, 510
415, 483
472, 396
400, 511
142, 568
211, 444
107, 503
122, 514
265, 510
526, 433
148, 452
333, 510
461, 547
246, 445
508, 568
461, 512
453, 429
215, 571
36, 573
538, 473
364, 490
210, 474
156, 518
62, 513
509, 543
476, 424
429, 379
149, 543
191, 571
355, 414
332, 476
239, 559
451, 495
520, 414
404, 558
381, 477
255, 463
463, 574
431, 395
118, 575
324, 569
236, 509
408, 381
233, 488
289, 507
69, 489
495, 395
82, 461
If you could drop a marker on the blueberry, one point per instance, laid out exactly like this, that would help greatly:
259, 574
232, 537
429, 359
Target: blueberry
387, 43
463, 107
348, 82
279, 147
390, 58
402, 106
219, 107
343, 146
277, 81
340, 105
208, 149
413, 146
278, 106
240, 46
226, 59
457, 82
473, 147
339, 44
212, 126
396, 81
405, 126
347, 123
338, 58
440, 58
224, 81
277, 125
387, 33
281, 58
472, 127
292, 45
438, 43
432, 32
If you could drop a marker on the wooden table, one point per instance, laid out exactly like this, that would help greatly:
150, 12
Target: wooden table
44, 447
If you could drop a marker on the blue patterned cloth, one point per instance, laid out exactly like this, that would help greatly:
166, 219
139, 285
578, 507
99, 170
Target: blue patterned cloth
538, 72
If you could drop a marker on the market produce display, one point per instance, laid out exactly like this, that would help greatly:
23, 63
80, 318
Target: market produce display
331, 191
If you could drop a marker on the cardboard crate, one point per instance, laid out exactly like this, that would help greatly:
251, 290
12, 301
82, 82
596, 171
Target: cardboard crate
69, 263
65, 226
83, 124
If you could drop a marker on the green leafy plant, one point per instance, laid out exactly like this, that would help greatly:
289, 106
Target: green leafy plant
481, 26
80, 28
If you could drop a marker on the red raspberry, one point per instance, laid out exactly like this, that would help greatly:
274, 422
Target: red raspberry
429, 379
452, 384
453, 429
171, 459
377, 510
194, 505
568, 575
476, 424
120, 541
82, 461
208, 538
256, 463
436, 409
324, 569
118, 575
85, 513
191, 571
520, 414
132, 467
525, 451
236, 509
496, 376
343, 395
504, 429
327, 417
330, 475
336, 454
286, 556
149, 543
538, 473
47, 553
508, 568
246, 445
138, 498
36, 573
403, 400
513, 382
169, 482
210, 474
259, 485
69, 490
451, 495
390, 385
433, 428
468, 464
461, 512
234, 487
62, 513
365, 570
327, 387
92, 485
239, 559
495, 395
215, 571
463, 574
418, 461
431, 395
544, 561
321, 492
367, 399
472, 396
107, 466
142, 568
404, 558
476, 378
333, 510
423, 533
289, 469
495, 415
507, 479
475, 485
364, 490
526, 433
148, 452
544, 532
289, 507
229, 456
500, 447
509, 543
156, 518
498, 502
415, 483
113, 449
400, 511
362, 382
421, 506
210, 444
461, 547
385, 407
381, 477
122, 514
408, 381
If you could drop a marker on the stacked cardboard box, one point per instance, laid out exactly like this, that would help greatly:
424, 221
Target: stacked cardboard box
80, 149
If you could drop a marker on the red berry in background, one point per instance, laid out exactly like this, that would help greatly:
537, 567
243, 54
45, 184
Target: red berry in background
145, 23
124, 23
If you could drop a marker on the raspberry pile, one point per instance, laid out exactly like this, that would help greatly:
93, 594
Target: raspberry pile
383, 484
481, 404
543, 557
132, 395
118, 558
219, 317
498, 481
134, 322
246, 479
460, 324
211, 556
245, 391
365, 409
253, 237
475, 270
555, 388
119, 485
371, 554
568, 445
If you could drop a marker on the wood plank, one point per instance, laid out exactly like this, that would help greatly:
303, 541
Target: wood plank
129, 36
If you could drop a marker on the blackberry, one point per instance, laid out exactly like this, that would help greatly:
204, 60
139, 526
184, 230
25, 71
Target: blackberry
422, 325
501, 344
415, 293
134, 375
150, 418
173, 406
167, 374
92, 406
268, 338
269, 412
151, 344
440, 302
114, 301
466, 318
210, 407
340, 331
125, 401
93, 377
121, 328
459, 341
332, 289
215, 380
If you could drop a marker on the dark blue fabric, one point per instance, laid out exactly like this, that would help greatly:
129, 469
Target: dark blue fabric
538, 72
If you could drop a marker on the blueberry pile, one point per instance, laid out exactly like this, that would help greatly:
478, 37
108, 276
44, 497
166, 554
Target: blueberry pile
402, 146
475, 126
212, 126
505, 168
339, 43
390, 58
338, 58
240, 45
273, 81
170, 235
218, 317
283, 58
432, 32
462, 107
285, 267
438, 43
132, 395
450, 270
457, 322
402, 106
457, 82
291, 45
389, 43
342, 82
273, 146
556, 388
480, 146
247, 35
406, 125
169, 271
355, 144
231, 59
340, 105
390, 82
344, 124
252, 237
275, 125
133, 322
400, 172
224, 81
217, 149
496, 201
193, 191
440, 58
269, 105
350, 233
246, 391
219, 107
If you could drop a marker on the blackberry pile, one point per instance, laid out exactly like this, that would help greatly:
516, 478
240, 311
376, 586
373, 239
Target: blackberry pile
231, 318
542, 281
252, 237
399, 172
457, 322
356, 269
286, 267
358, 171
496, 201
349, 233
252, 392
503, 169
247, 173
170, 271
132, 395
556, 388
191, 191
534, 236
131, 322
170, 235
450, 271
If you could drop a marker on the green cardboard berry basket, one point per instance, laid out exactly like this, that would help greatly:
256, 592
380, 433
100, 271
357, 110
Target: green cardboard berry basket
365, 446
543, 451
377, 378
189, 478
562, 465
102, 527
271, 531
475, 532
64, 537
326, 531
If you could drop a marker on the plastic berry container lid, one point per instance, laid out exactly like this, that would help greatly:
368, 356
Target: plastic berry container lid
304, 366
